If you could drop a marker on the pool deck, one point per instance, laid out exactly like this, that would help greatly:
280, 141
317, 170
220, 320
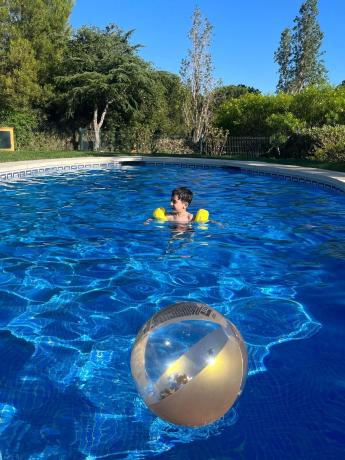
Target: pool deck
23, 169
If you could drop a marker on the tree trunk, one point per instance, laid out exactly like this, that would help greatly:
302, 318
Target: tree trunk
98, 125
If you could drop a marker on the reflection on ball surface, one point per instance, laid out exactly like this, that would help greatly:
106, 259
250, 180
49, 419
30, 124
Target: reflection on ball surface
189, 364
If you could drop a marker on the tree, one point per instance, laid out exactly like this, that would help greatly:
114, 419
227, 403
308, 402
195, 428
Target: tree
101, 72
309, 68
161, 112
159, 116
283, 57
197, 75
299, 56
19, 86
169, 102
223, 93
32, 39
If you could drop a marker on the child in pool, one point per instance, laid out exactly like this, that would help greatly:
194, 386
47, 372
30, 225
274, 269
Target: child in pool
181, 198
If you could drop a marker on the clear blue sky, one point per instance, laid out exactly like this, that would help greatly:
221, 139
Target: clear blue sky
246, 33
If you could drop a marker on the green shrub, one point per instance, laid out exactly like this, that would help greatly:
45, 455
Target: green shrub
30, 133
282, 114
325, 143
283, 126
172, 145
215, 141
298, 145
248, 115
22, 122
320, 106
46, 141
329, 143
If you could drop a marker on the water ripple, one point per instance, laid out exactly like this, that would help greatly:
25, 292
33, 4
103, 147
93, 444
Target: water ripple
80, 274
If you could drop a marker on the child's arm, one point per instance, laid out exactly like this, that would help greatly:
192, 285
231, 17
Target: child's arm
148, 220
158, 214
216, 222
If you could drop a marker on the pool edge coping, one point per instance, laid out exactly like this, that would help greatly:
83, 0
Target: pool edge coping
22, 169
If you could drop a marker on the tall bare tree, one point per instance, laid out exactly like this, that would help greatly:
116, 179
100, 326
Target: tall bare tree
197, 75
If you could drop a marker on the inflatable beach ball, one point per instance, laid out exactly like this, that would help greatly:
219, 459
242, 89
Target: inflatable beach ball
189, 364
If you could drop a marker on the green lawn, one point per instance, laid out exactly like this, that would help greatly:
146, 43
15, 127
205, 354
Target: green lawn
23, 155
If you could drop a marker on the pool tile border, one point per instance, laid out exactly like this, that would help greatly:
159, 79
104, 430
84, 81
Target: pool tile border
322, 178
21, 170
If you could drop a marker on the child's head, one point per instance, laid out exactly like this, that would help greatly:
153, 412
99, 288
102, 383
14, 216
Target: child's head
183, 194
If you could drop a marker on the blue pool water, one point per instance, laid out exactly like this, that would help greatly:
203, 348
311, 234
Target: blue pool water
80, 274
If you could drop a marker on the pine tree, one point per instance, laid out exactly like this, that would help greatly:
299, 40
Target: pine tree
33, 34
101, 73
283, 57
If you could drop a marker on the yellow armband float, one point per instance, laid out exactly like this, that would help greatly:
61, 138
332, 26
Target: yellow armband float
159, 214
201, 216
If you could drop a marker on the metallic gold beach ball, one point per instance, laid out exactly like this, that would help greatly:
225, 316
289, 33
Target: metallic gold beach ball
189, 364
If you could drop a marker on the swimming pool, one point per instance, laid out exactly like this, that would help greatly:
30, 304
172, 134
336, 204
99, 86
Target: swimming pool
80, 274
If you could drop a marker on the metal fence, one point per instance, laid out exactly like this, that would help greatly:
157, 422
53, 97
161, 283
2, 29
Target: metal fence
243, 147
136, 142
236, 147
116, 141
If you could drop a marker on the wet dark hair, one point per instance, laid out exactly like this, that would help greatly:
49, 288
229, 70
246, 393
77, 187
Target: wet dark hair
184, 194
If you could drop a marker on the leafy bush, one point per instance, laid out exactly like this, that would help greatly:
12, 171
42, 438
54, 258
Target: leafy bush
298, 145
282, 114
31, 134
286, 123
320, 106
22, 122
283, 126
248, 114
171, 145
215, 141
329, 143
46, 141
326, 143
